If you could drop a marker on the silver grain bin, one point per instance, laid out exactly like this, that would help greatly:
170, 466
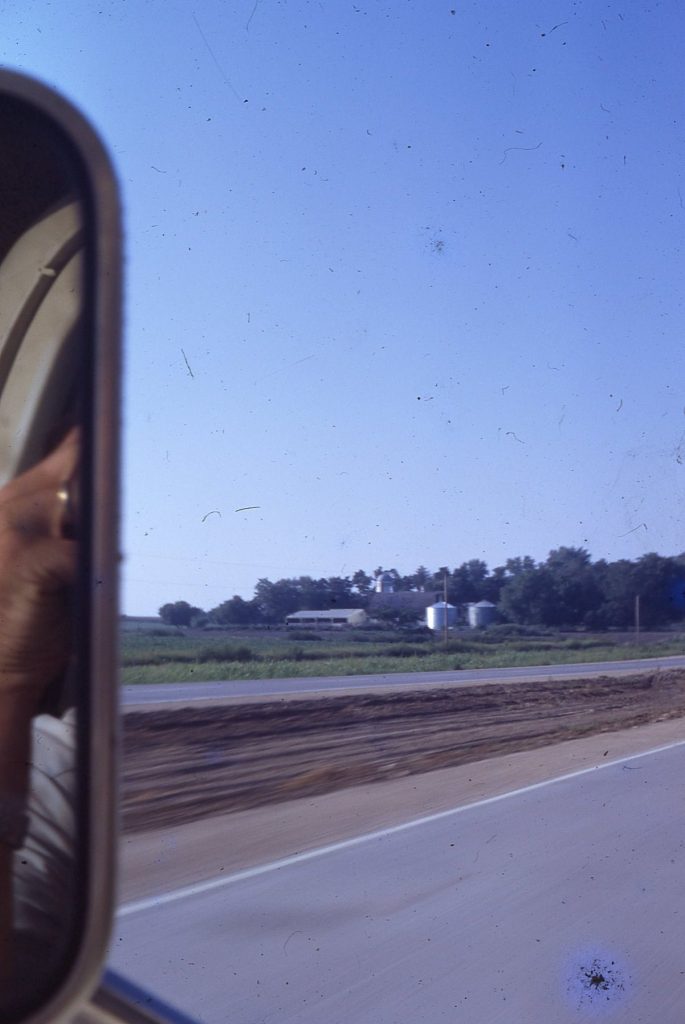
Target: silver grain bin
481, 613
439, 613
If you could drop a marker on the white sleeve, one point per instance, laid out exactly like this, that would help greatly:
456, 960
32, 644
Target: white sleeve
44, 866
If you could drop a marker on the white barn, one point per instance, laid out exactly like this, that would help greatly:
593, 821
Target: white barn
334, 617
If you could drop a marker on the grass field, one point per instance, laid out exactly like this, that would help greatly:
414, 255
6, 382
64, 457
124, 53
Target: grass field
268, 654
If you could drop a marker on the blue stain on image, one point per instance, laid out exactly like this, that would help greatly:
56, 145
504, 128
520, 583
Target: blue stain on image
597, 983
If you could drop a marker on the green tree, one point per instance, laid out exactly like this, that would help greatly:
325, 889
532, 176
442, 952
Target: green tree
468, 582
438, 580
492, 586
179, 613
527, 597
362, 583
617, 586
276, 600
576, 595
660, 582
421, 578
561, 592
340, 593
311, 593
236, 612
514, 566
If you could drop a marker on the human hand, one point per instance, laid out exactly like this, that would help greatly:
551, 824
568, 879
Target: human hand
37, 566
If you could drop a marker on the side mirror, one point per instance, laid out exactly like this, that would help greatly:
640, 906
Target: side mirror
59, 408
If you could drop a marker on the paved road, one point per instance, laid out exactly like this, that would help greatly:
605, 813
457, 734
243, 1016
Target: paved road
561, 902
164, 693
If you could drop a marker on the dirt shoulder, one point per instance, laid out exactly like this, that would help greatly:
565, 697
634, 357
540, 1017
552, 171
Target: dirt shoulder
164, 859
187, 764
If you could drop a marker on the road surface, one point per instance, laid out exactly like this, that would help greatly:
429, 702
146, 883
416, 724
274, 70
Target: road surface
560, 901
166, 693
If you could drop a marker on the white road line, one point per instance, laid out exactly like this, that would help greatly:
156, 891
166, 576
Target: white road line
137, 906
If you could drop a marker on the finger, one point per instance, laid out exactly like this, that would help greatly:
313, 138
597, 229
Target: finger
52, 471
37, 514
38, 500
62, 462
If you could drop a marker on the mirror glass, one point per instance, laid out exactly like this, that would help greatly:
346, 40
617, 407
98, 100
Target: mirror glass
44, 372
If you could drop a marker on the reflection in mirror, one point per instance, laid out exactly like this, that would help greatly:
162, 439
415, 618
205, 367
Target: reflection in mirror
43, 362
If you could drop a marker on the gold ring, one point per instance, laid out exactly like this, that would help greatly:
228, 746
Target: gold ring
66, 501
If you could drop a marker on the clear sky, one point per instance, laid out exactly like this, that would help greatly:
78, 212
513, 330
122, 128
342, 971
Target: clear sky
406, 276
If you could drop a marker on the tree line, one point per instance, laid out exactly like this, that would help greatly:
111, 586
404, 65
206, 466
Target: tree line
568, 589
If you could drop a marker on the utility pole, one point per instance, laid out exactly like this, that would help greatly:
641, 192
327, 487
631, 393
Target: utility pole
637, 618
444, 582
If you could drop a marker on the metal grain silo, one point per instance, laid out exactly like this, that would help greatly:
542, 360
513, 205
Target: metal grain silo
385, 584
440, 614
481, 613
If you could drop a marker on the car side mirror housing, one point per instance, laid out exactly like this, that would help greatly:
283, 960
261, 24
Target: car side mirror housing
60, 272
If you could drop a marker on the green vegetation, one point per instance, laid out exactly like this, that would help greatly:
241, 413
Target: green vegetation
566, 591
269, 654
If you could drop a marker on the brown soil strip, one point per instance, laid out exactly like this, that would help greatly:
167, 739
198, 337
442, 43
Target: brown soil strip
185, 764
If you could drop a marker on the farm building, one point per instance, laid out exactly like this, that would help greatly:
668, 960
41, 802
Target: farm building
337, 617
405, 601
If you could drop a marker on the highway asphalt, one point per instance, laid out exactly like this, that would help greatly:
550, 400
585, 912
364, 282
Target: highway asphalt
165, 693
561, 902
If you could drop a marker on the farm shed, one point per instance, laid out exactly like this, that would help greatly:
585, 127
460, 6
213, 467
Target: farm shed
402, 601
337, 617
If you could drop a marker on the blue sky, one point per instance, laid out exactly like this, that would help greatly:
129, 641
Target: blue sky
410, 281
